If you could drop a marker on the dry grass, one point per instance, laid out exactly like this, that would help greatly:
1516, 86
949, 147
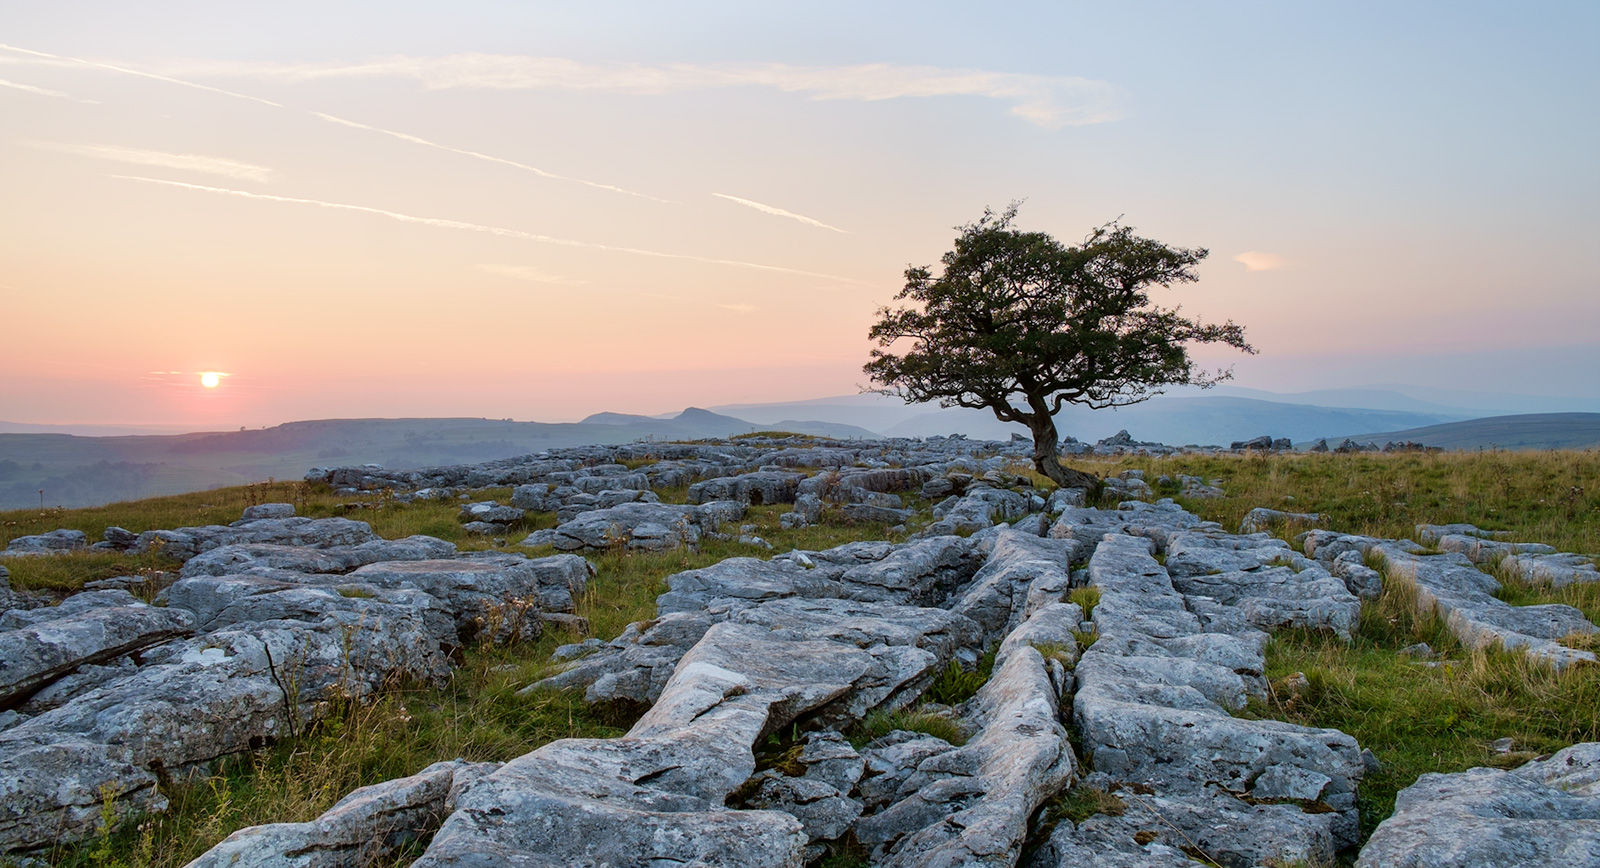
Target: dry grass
1416, 718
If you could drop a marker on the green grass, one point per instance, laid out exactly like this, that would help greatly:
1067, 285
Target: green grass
1418, 718
956, 685
1550, 497
878, 724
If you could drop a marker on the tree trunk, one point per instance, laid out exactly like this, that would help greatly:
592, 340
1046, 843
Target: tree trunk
1047, 461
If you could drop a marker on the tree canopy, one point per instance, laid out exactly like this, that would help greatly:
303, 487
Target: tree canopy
1023, 325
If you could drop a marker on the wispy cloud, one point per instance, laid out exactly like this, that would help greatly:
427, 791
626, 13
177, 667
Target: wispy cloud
43, 91
492, 230
62, 60
532, 274
768, 209
1049, 101
1255, 260
741, 307
186, 162
407, 137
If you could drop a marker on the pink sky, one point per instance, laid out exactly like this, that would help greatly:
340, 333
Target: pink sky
557, 215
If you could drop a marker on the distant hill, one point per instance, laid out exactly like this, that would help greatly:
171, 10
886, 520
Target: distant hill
79, 471
1201, 419
1525, 431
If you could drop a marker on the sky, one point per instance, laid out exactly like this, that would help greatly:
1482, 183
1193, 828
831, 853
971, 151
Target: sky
544, 210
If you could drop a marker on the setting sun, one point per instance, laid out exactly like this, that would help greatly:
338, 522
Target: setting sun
210, 379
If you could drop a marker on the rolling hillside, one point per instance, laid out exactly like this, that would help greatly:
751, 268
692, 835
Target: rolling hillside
1523, 431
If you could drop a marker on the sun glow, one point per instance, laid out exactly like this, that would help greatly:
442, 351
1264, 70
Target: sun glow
210, 379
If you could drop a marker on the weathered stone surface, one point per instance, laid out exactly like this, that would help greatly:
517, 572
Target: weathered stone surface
1196, 553
757, 488
1157, 831
658, 794
54, 542
254, 683
498, 597
267, 510
489, 512
254, 557
34, 656
819, 798
1542, 814
369, 824
1450, 584
972, 805
1151, 710
978, 508
81, 680
1362, 580
876, 514
1023, 573
1273, 598
186, 542
77, 604
1558, 570
647, 526
1431, 534
637, 664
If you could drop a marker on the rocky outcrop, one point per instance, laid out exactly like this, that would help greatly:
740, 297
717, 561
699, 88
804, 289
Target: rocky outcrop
641, 526
972, 805
763, 487
1152, 709
186, 542
1451, 585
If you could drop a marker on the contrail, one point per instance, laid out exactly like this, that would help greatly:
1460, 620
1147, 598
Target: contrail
492, 230
403, 136
143, 74
779, 212
43, 91
474, 154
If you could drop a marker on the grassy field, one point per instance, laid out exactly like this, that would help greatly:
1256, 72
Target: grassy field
1416, 718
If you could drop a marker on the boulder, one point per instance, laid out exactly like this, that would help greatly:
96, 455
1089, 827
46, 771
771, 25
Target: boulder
54, 542
266, 510
762, 487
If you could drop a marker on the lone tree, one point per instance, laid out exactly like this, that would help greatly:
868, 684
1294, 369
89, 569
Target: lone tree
1019, 315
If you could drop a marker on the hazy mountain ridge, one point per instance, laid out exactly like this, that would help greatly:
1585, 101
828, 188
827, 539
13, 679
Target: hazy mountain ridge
77, 470
89, 471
